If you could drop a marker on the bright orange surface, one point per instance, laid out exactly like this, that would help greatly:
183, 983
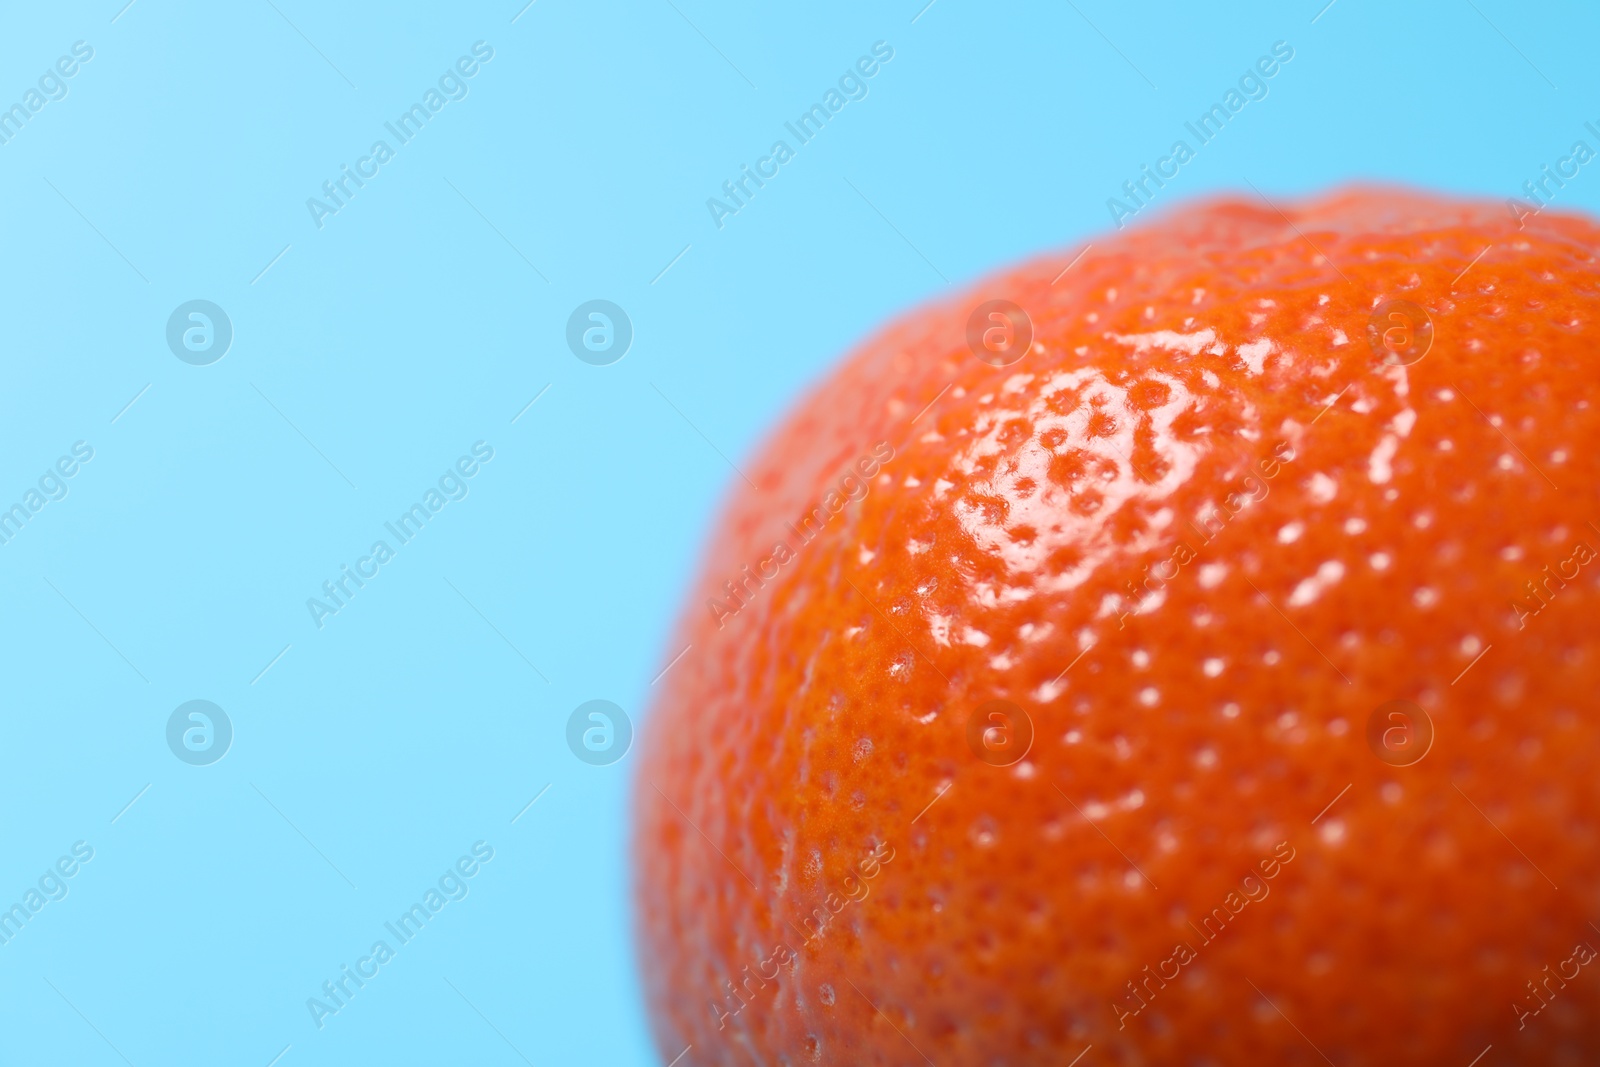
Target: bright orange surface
1377, 526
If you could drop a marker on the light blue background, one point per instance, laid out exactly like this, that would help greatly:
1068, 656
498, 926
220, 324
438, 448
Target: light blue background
408, 328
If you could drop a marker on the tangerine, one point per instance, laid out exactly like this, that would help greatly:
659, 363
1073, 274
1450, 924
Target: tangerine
1196, 664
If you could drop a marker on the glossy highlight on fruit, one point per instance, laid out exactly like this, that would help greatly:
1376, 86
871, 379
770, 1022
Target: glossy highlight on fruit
1221, 510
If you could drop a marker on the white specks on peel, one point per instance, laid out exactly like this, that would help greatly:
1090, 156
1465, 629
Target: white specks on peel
1311, 588
1189, 344
1290, 532
1049, 691
1146, 604
1321, 488
1094, 537
900, 667
1255, 354
1379, 470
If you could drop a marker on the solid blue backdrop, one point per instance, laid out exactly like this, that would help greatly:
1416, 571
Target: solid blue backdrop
375, 747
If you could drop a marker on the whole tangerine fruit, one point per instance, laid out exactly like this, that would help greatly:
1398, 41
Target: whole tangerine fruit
1181, 651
